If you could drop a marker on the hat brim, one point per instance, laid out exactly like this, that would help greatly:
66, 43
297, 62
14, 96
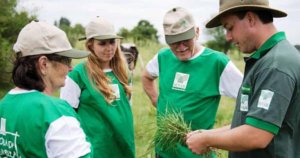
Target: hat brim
189, 34
215, 21
104, 37
74, 53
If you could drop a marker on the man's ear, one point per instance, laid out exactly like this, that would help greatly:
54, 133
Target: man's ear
251, 18
43, 63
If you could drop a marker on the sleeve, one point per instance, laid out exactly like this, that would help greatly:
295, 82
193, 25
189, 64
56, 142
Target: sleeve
66, 139
152, 66
270, 100
230, 81
70, 92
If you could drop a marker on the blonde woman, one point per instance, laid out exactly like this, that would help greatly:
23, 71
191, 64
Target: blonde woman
98, 89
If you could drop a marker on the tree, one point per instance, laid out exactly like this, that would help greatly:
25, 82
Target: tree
144, 31
64, 22
11, 23
125, 33
73, 33
140, 34
219, 42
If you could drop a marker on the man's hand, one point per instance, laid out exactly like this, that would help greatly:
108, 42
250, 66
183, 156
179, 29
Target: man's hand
196, 142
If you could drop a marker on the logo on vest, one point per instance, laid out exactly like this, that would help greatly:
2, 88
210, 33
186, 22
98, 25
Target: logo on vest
180, 81
8, 141
116, 90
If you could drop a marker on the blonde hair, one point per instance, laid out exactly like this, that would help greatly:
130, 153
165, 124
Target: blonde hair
96, 74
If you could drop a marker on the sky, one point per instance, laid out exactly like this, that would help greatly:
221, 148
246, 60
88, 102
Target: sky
127, 13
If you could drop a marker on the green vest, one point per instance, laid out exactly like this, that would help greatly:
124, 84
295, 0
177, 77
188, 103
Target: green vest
191, 87
110, 127
25, 119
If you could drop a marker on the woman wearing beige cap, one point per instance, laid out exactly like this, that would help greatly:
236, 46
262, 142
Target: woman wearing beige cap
34, 124
98, 89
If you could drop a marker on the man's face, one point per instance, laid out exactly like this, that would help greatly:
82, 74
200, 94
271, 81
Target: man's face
238, 31
183, 50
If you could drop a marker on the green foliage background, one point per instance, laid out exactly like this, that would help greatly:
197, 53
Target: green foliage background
11, 23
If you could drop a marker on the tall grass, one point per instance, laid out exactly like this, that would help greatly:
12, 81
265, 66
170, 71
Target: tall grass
143, 111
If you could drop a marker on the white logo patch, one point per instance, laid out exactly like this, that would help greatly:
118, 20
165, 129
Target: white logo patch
244, 102
116, 91
265, 99
180, 81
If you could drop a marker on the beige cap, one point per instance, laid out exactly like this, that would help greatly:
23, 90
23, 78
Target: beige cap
178, 25
42, 38
101, 29
227, 6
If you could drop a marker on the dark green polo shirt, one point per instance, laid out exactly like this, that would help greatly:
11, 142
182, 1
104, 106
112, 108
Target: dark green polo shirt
269, 98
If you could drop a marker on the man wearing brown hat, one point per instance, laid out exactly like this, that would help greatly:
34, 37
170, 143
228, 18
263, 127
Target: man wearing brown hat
192, 78
266, 122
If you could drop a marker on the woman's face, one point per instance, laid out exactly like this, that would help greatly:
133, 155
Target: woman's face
59, 74
54, 74
105, 49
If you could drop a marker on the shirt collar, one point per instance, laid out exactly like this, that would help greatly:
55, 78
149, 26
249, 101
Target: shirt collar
270, 43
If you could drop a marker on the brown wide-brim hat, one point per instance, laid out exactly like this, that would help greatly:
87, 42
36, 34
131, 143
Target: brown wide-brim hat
227, 6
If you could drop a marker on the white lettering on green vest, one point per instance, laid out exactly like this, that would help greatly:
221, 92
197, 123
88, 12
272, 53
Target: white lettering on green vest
8, 141
3, 126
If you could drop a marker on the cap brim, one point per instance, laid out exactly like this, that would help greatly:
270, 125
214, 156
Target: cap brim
107, 37
215, 21
180, 37
74, 53
102, 37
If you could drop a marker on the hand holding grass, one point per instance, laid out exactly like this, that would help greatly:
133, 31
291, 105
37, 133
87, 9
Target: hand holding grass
173, 130
196, 142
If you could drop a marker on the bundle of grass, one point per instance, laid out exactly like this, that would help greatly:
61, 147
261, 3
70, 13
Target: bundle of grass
171, 129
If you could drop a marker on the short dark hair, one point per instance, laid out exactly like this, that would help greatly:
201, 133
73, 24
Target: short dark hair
26, 74
264, 16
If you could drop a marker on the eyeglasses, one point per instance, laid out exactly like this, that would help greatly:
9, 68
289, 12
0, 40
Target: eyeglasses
176, 44
108, 41
61, 59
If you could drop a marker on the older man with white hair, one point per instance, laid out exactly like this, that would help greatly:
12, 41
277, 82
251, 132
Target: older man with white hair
192, 78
